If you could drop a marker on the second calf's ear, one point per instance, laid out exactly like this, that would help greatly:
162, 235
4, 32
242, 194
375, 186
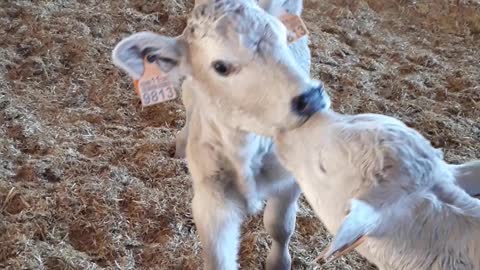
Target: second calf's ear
277, 7
361, 220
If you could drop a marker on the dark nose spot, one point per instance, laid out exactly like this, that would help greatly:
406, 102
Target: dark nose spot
309, 102
300, 103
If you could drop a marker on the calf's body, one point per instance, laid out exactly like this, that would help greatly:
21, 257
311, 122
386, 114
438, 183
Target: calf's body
233, 170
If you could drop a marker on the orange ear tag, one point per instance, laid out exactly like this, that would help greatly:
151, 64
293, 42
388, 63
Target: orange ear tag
154, 86
295, 26
135, 84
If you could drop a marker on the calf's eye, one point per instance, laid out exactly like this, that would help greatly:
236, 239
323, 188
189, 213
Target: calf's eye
222, 68
151, 58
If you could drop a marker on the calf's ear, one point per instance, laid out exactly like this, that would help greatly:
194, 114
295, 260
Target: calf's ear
170, 54
276, 7
361, 220
467, 177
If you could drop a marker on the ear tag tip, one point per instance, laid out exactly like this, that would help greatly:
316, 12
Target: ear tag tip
295, 26
135, 85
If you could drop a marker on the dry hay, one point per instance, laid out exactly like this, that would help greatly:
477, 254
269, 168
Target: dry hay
87, 178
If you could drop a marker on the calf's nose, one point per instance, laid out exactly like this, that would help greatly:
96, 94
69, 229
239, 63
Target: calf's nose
309, 102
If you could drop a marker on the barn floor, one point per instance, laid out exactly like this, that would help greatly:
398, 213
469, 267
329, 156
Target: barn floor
87, 178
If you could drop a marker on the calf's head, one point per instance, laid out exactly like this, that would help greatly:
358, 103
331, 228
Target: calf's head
407, 194
234, 55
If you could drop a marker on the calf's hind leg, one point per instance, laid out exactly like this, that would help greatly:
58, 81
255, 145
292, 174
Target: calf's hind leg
182, 137
181, 142
279, 221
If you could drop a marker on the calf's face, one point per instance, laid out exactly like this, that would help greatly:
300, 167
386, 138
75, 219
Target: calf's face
235, 55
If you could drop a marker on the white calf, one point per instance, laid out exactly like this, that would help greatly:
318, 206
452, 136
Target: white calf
373, 180
233, 170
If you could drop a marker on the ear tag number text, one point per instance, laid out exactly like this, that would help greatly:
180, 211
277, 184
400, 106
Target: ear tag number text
154, 86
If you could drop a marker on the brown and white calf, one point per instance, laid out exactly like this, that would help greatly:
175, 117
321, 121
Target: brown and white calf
233, 169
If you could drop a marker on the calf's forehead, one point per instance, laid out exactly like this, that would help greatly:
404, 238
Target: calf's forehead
242, 17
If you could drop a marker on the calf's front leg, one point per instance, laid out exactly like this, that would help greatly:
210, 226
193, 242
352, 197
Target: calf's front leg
218, 221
